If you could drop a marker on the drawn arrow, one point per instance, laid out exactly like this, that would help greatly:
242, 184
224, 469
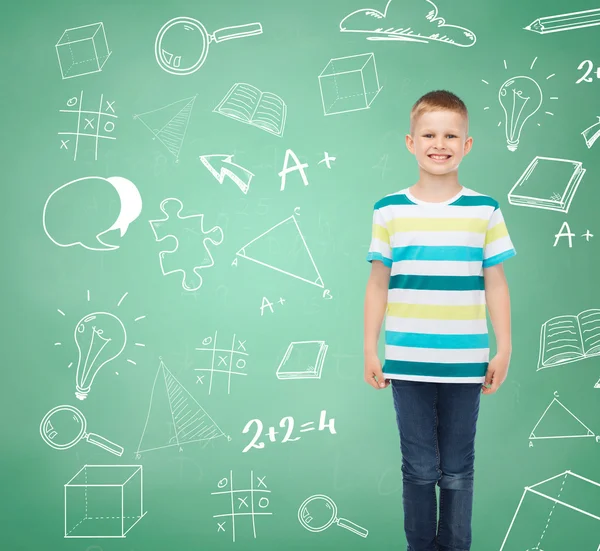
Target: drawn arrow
221, 166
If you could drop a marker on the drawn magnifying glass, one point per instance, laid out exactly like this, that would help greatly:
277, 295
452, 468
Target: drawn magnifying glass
182, 43
319, 512
64, 426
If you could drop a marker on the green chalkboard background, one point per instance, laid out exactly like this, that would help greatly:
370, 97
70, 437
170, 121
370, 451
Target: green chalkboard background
355, 458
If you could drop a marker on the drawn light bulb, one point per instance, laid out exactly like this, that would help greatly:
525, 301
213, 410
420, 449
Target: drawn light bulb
100, 337
520, 97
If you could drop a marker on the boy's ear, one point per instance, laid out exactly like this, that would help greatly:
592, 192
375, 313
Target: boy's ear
410, 143
468, 145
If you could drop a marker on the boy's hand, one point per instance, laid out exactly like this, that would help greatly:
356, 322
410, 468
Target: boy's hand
496, 373
374, 373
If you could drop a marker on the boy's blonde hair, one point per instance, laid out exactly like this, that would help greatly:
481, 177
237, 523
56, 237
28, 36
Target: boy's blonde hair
437, 100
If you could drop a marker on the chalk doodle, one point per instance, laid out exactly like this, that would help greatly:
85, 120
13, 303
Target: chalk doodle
174, 417
395, 24
286, 423
242, 503
190, 253
95, 125
224, 359
169, 124
82, 50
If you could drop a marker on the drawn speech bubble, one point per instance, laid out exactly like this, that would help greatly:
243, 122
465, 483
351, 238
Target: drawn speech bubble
71, 226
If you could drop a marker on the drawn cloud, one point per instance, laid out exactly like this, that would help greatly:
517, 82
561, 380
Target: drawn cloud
422, 24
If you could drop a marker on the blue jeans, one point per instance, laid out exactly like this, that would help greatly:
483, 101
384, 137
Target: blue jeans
437, 423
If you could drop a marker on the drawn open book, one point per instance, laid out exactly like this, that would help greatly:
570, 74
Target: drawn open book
249, 105
547, 183
566, 339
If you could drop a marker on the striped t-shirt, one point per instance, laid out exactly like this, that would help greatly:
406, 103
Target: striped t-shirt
436, 327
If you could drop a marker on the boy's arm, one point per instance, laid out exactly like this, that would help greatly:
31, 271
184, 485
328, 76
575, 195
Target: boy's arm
498, 303
376, 297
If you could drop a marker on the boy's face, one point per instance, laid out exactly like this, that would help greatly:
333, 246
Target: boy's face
439, 141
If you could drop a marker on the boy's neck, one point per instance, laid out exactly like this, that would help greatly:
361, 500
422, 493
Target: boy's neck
434, 187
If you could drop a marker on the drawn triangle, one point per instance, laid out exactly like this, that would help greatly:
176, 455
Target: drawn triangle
597, 385
558, 422
174, 417
283, 249
169, 123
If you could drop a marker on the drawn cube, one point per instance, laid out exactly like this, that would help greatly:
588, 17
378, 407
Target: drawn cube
82, 50
103, 501
562, 511
349, 84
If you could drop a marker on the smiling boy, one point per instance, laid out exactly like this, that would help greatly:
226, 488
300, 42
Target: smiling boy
436, 251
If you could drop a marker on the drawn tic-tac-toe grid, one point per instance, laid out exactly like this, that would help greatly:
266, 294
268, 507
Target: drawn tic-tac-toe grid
87, 124
227, 361
245, 504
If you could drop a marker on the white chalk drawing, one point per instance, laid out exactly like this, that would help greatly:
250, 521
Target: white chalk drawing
569, 338
182, 43
286, 423
297, 166
565, 232
547, 183
552, 521
558, 421
221, 166
174, 417
565, 22
292, 252
303, 360
266, 303
104, 501
587, 65
82, 50
64, 426
591, 134
421, 24
95, 125
247, 104
349, 84
319, 512
227, 361
130, 202
597, 385
327, 160
520, 97
251, 502
190, 253
100, 338
169, 124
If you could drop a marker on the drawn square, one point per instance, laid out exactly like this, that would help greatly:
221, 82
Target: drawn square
349, 84
103, 501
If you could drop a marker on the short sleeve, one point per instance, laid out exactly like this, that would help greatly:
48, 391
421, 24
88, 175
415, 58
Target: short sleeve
380, 241
498, 246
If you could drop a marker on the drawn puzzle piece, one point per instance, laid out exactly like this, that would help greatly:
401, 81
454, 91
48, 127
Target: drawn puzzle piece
190, 253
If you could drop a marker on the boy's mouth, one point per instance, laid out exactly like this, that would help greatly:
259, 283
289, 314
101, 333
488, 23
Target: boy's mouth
439, 158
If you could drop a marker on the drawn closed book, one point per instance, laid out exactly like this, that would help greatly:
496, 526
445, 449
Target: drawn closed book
547, 183
569, 338
249, 105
